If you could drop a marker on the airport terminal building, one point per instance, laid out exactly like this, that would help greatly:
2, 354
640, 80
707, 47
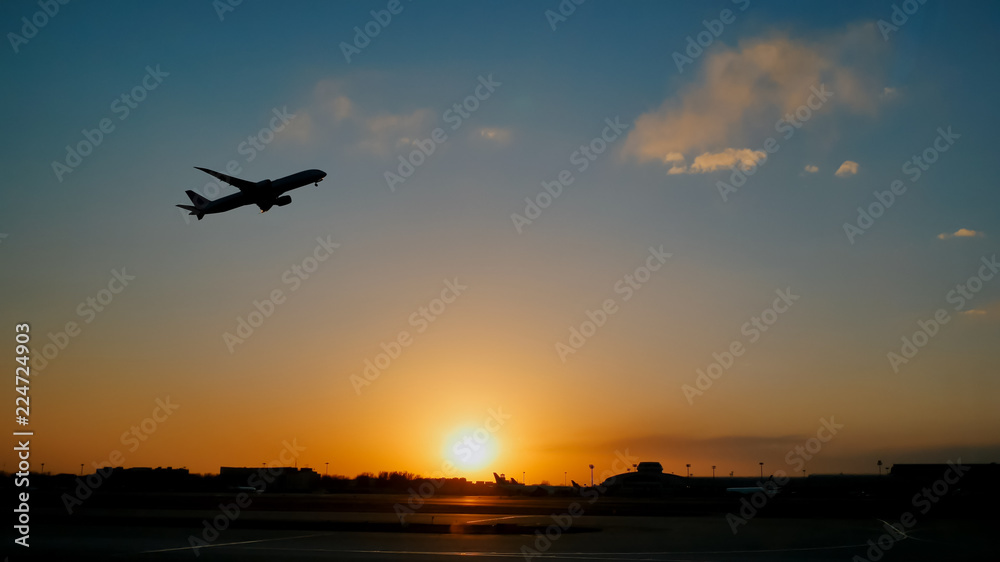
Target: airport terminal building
647, 480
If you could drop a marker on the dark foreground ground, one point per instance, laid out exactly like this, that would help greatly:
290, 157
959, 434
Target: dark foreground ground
367, 528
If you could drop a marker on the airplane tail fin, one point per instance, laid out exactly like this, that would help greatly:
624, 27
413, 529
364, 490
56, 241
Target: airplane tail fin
199, 204
198, 200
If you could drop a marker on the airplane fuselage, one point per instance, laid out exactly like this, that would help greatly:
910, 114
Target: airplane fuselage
265, 194
268, 190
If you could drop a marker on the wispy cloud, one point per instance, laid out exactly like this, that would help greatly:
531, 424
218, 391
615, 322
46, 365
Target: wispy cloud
962, 233
385, 132
811, 168
494, 134
766, 77
332, 112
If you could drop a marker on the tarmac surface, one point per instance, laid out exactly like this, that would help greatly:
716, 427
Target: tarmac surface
366, 528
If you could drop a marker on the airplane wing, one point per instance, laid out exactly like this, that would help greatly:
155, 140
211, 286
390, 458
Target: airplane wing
243, 185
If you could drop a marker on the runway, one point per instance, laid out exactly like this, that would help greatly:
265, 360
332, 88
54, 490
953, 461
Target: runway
520, 538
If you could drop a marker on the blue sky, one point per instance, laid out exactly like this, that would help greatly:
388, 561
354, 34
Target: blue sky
452, 218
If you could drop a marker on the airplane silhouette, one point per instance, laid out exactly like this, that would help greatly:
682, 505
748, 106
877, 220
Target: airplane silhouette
265, 194
512, 486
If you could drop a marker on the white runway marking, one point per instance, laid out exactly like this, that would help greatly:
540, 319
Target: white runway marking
499, 519
567, 555
232, 543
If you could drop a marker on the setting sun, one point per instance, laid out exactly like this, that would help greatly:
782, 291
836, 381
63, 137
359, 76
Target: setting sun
470, 448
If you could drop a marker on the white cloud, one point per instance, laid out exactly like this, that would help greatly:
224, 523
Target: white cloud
709, 162
712, 161
747, 89
811, 169
847, 169
962, 233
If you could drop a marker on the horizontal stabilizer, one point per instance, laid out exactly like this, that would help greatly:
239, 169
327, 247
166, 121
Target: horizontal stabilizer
193, 210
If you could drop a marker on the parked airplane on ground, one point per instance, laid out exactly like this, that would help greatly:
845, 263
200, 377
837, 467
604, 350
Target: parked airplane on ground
769, 488
514, 487
265, 194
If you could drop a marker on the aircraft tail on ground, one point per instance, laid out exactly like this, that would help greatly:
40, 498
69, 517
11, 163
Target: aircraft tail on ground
199, 204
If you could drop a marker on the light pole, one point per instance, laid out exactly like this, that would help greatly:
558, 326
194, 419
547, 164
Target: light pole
522, 479
689, 470
43, 468
713, 472
761, 471
564, 478
591, 476
81, 469
327, 471
879, 463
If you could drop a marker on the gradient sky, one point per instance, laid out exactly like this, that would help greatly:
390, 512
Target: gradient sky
495, 347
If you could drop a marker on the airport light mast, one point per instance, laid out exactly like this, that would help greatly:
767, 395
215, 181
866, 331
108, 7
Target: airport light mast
591, 476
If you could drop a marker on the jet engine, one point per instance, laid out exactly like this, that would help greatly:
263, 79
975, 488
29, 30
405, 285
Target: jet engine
283, 200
